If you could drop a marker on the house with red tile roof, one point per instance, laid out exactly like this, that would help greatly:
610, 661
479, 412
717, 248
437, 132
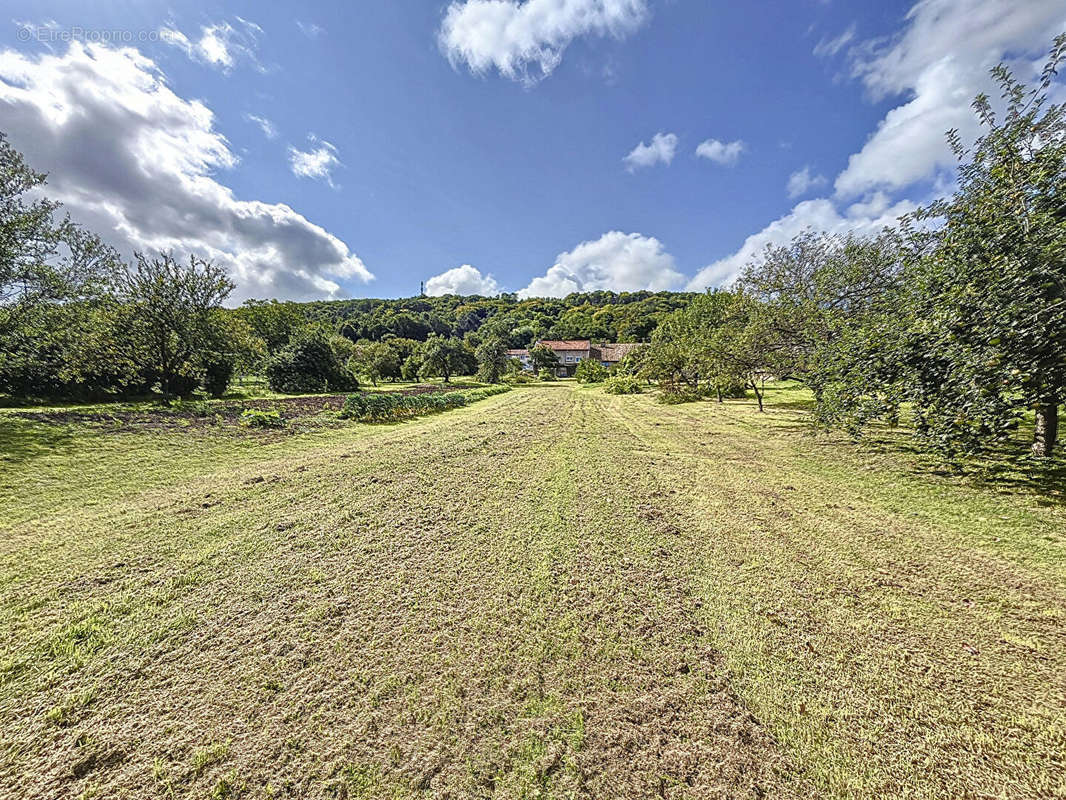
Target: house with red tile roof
569, 352
572, 352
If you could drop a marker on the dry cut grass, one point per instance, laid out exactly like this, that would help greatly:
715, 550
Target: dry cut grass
553, 593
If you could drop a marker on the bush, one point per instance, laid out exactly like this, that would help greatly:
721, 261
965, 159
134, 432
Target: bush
590, 371
309, 364
521, 377
257, 418
547, 375
622, 384
180, 385
217, 375
474, 395
733, 390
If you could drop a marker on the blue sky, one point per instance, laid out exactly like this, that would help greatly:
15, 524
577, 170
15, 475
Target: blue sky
554, 145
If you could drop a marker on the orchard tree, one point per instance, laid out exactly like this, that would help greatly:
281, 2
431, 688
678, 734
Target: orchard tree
816, 289
742, 348
491, 355
376, 360
443, 356
169, 309
988, 294
43, 258
591, 371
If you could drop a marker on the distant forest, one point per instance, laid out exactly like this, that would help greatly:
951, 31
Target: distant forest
599, 316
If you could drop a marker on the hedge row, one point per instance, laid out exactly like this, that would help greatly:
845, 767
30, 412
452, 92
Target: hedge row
391, 406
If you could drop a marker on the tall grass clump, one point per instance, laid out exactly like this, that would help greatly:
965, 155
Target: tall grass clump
622, 384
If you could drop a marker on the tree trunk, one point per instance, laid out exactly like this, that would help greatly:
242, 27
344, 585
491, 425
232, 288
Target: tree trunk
718, 391
1047, 428
758, 394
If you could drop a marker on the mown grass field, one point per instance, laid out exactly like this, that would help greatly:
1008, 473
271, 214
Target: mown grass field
551, 593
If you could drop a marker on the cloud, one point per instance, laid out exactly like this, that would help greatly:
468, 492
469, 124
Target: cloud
464, 280
137, 163
868, 217
802, 181
220, 45
310, 29
525, 41
720, 152
616, 261
660, 151
317, 163
827, 48
939, 63
268, 128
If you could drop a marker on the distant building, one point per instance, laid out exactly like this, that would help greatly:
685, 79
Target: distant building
522, 356
569, 352
572, 352
611, 354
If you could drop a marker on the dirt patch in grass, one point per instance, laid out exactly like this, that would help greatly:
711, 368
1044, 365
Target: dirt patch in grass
207, 413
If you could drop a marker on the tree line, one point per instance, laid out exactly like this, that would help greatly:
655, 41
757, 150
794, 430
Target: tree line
77, 322
956, 318
958, 315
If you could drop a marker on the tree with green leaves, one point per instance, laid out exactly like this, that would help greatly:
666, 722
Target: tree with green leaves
543, 358
309, 364
168, 308
815, 289
273, 322
443, 356
491, 355
591, 371
43, 259
987, 291
377, 360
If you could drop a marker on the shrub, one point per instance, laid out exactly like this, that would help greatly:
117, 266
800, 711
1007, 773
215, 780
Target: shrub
622, 384
591, 371
257, 418
474, 395
218, 372
521, 377
309, 364
547, 375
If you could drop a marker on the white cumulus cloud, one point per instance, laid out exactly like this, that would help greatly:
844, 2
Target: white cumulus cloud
939, 63
464, 280
139, 164
802, 181
722, 153
661, 150
317, 163
525, 41
868, 217
621, 262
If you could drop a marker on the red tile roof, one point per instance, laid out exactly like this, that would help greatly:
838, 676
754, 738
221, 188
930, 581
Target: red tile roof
567, 344
616, 352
